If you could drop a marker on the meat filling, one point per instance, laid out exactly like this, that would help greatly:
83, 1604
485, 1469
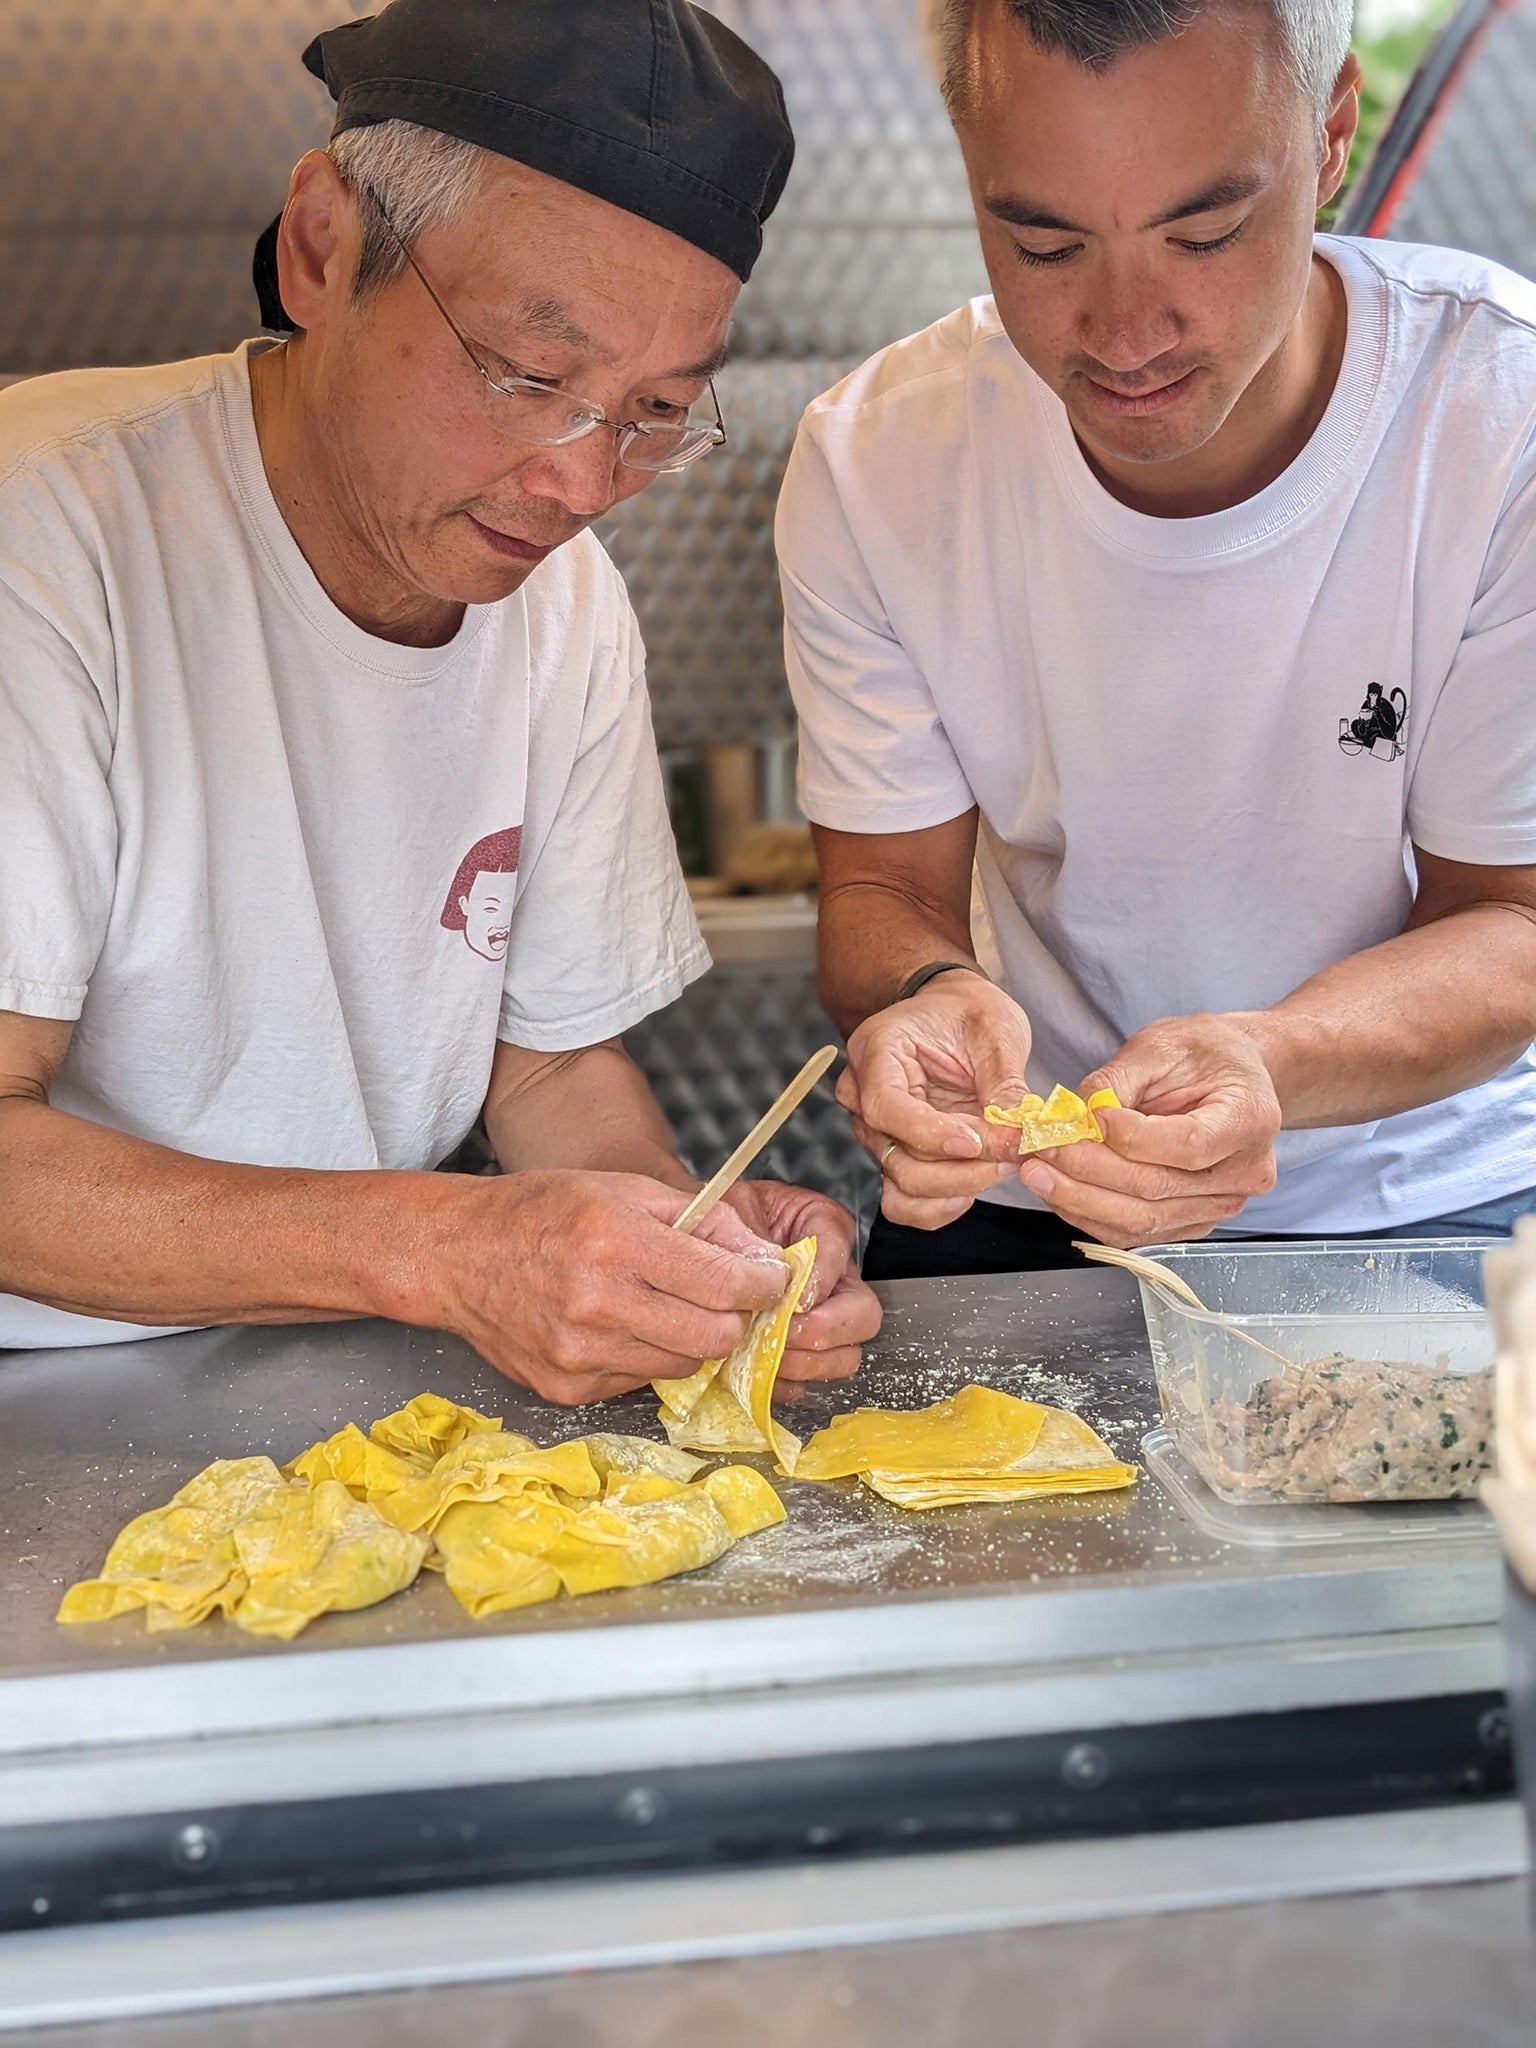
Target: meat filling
1344, 1429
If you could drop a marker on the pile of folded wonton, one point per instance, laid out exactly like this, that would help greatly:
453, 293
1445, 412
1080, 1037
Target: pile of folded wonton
438, 1486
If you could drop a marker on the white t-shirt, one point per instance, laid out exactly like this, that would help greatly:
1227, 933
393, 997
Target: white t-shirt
294, 881
1200, 747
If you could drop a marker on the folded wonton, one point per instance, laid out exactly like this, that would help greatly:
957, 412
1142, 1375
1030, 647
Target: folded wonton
512, 1553
1061, 1119
487, 1468
271, 1553
429, 1425
354, 1518
361, 1464
725, 1405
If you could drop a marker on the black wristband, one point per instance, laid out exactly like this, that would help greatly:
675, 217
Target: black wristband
926, 974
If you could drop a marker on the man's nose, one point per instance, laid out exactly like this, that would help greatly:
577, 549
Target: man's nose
1127, 324
581, 475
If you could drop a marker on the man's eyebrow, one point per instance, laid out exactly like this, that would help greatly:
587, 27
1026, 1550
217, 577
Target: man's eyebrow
555, 322
1228, 191
1023, 213
708, 366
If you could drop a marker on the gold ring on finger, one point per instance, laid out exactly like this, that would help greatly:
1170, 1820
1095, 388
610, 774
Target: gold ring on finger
886, 1154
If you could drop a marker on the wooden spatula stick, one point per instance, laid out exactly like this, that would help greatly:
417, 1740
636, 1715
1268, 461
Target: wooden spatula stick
753, 1143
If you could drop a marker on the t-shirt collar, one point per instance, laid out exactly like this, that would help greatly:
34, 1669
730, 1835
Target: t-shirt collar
1300, 486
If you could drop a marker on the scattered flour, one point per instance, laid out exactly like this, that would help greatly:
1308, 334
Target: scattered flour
830, 1538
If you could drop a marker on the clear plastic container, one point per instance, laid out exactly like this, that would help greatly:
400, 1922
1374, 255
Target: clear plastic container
1386, 1390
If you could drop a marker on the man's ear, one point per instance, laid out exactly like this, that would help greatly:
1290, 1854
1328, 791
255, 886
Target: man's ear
1339, 129
317, 242
464, 905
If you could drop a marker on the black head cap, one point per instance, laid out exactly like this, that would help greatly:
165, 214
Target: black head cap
653, 105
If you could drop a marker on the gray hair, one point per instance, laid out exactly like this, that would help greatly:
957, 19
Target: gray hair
1314, 35
421, 179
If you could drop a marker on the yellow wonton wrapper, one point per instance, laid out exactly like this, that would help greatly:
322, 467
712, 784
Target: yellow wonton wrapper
271, 1553
490, 1468
319, 1552
624, 1544
976, 1430
509, 1554
1062, 1119
628, 1489
744, 1497
957, 1491
363, 1466
513, 1524
431, 1424
179, 1560
616, 1455
491, 1553
725, 1405
979, 1445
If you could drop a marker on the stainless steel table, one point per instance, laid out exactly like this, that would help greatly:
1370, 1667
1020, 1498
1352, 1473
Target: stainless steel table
856, 1679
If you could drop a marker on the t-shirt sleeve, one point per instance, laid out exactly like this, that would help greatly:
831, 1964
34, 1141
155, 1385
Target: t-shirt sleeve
58, 827
603, 932
1473, 793
874, 755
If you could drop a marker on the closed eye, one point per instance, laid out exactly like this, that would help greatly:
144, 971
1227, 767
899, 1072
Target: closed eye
508, 372
1210, 248
1042, 259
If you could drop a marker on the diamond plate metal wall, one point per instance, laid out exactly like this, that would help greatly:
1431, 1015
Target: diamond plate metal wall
874, 236
1476, 188
143, 148
720, 1055
873, 239
696, 551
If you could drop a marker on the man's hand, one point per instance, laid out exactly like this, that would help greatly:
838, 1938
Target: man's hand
919, 1075
1195, 1140
839, 1312
576, 1285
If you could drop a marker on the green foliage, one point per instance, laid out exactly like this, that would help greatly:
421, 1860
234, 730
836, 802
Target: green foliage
1388, 62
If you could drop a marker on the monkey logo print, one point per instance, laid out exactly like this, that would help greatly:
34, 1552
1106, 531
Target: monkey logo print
1379, 727
480, 897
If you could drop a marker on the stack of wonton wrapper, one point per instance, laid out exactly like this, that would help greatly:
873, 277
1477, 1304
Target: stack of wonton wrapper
356, 1517
979, 1445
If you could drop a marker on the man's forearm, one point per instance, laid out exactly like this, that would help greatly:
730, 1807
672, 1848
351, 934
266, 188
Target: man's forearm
891, 903
108, 1225
869, 939
591, 1109
1408, 1022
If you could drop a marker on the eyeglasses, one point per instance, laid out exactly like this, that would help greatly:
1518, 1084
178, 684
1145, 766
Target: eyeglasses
543, 414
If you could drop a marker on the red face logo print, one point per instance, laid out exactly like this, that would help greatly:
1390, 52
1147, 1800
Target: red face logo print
480, 900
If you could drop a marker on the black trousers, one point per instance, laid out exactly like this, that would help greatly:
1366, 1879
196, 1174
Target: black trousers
988, 1238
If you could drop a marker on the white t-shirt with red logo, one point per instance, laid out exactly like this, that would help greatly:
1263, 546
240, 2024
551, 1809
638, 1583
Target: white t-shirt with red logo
1200, 747
293, 881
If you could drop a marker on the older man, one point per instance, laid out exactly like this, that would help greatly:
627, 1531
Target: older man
1186, 591
331, 810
